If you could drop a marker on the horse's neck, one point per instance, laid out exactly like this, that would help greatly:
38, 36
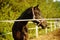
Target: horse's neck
23, 23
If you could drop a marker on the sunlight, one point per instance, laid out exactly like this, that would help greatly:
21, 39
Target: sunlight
56, 0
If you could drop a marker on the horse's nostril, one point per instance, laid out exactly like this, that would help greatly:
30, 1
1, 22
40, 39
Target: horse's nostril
46, 25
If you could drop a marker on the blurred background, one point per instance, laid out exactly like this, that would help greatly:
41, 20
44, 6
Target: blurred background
12, 9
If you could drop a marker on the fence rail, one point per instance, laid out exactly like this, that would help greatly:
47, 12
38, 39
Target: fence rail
29, 19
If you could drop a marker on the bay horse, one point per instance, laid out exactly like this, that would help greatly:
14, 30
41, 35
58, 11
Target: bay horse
20, 30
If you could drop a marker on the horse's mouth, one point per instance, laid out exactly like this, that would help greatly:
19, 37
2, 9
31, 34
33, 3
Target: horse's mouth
42, 26
39, 23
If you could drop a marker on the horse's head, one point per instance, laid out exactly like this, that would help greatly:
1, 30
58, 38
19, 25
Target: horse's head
37, 15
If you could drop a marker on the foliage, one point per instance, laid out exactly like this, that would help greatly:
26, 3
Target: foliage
12, 9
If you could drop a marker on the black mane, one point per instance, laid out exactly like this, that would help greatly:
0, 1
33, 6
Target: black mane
27, 14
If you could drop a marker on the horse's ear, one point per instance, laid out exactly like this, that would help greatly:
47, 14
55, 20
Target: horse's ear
36, 6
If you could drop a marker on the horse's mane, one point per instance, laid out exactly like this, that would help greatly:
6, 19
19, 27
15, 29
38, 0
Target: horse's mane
27, 14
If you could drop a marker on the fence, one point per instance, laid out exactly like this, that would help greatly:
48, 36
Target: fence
36, 28
46, 30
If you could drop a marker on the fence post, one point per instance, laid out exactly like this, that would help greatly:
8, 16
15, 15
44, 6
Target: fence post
46, 30
36, 31
55, 25
51, 26
46, 1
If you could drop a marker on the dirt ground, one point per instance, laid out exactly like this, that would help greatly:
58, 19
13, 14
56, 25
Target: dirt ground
54, 35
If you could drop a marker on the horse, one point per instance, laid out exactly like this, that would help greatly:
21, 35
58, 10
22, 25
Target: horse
20, 29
